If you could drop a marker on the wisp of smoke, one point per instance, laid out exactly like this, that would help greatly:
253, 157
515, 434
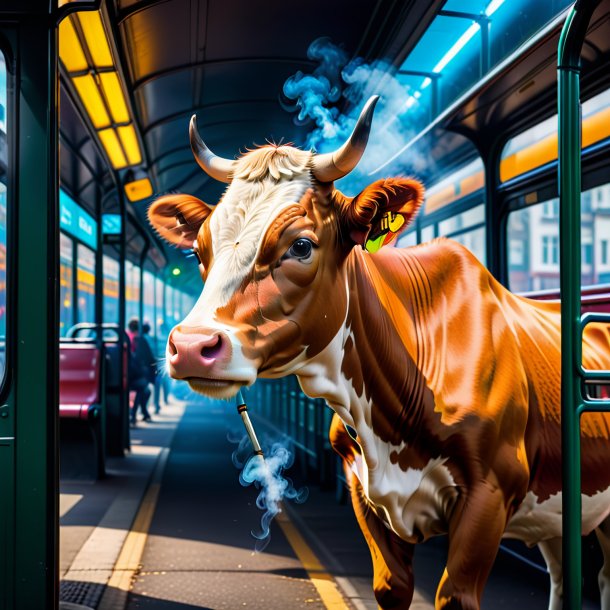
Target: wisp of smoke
266, 474
398, 116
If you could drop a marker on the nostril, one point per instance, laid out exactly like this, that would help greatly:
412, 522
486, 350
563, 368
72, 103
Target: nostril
171, 348
212, 350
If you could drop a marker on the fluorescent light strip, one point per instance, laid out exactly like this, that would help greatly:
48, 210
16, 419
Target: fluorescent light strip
462, 41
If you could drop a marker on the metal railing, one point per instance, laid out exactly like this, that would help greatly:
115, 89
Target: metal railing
574, 401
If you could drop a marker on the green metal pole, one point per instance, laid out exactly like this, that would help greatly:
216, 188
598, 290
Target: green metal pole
569, 133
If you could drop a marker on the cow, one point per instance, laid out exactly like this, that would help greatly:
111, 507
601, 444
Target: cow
445, 386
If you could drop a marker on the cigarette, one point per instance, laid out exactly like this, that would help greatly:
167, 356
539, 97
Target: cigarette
242, 409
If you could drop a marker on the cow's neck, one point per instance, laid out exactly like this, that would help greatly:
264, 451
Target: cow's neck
370, 373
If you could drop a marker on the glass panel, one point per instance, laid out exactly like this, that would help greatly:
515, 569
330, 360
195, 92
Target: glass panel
66, 297
85, 281
427, 233
452, 47
461, 183
3, 207
469, 218
132, 291
169, 305
409, 239
149, 300
159, 301
538, 145
111, 290
474, 241
533, 240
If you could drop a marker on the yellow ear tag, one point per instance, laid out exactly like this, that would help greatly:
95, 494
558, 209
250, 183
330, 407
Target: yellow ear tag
390, 224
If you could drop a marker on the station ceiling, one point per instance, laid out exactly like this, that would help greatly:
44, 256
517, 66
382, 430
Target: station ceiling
226, 61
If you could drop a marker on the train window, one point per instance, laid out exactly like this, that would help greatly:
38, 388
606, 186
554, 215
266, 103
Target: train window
132, 290
537, 146
3, 209
66, 284
408, 239
85, 282
149, 299
159, 303
451, 56
111, 290
457, 201
533, 241
428, 233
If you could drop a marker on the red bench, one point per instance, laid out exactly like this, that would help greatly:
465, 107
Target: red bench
80, 401
79, 380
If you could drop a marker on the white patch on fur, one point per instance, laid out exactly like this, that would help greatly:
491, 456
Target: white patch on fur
412, 503
238, 226
536, 521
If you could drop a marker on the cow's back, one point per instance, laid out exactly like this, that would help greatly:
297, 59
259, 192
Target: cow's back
538, 325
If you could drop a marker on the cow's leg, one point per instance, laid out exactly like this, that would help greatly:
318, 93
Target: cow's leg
475, 529
603, 535
392, 557
551, 551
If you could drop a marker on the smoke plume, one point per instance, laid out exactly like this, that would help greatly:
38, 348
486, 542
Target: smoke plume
266, 474
399, 115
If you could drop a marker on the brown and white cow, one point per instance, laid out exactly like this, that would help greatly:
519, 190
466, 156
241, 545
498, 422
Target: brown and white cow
450, 381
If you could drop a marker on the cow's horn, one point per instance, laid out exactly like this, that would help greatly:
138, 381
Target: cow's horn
335, 165
216, 167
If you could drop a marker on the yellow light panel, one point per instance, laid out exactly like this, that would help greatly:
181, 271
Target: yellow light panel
130, 144
138, 189
114, 96
110, 141
95, 35
92, 100
70, 50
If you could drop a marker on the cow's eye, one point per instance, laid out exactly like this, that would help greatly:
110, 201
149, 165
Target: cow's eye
302, 249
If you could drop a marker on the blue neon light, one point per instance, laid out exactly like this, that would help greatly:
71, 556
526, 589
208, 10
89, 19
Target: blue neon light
75, 221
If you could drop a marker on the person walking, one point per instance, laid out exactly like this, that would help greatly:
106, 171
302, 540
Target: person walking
137, 374
162, 381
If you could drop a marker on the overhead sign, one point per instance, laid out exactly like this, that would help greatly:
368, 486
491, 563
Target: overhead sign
111, 224
75, 221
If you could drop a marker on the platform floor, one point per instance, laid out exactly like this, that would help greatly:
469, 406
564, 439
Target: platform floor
190, 545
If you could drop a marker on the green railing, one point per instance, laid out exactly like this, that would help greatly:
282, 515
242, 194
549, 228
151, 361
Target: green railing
574, 400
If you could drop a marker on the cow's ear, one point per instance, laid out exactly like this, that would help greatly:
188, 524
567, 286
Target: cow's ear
381, 211
177, 218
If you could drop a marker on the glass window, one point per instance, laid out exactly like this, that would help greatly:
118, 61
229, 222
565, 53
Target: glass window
538, 145
132, 290
533, 238
111, 290
450, 51
3, 208
85, 281
66, 286
461, 183
169, 304
408, 239
149, 300
159, 302
427, 233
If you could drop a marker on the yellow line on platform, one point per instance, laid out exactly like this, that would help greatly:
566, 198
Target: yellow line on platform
128, 562
323, 582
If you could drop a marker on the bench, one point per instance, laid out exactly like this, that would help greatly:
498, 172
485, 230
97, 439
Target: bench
82, 453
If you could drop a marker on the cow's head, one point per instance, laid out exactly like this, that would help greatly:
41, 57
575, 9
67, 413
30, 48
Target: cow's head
272, 255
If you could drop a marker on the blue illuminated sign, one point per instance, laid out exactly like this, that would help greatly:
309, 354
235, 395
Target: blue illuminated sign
111, 224
75, 221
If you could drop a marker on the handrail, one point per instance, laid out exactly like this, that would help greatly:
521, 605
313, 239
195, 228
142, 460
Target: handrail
572, 401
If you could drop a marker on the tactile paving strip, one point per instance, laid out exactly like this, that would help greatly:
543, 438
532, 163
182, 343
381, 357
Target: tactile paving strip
79, 592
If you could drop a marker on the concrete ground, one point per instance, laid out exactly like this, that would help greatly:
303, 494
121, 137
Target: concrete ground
196, 549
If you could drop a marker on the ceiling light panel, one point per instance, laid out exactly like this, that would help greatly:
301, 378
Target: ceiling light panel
85, 52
